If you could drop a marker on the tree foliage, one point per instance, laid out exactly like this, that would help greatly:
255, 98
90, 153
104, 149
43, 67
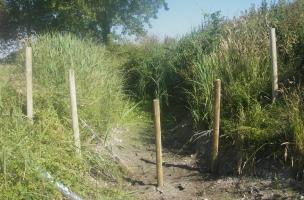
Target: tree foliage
83, 17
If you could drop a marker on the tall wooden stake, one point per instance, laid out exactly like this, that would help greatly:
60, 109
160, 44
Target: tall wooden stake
160, 180
29, 82
216, 126
273, 49
74, 110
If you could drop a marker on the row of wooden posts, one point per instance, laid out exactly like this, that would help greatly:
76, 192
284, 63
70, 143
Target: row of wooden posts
217, 100
216, 120
29, 97
215, 139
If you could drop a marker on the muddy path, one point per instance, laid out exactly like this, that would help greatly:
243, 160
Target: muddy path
182, 178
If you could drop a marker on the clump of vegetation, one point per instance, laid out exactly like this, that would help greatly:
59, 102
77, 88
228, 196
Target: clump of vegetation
28, 151
237, 52
148, 69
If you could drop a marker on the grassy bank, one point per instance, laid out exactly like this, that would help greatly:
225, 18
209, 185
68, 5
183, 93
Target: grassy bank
29, 151
181, 72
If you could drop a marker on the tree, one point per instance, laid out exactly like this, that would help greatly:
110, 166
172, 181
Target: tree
83, 17
2, 15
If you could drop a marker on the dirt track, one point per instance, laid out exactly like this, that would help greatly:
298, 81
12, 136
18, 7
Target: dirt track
183, 179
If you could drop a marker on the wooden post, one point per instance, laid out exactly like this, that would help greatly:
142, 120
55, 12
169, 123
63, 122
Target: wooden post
29, 82
216, 125
160, 180
273, 50
74, 110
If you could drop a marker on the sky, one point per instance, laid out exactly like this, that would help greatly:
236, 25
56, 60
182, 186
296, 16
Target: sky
184, 15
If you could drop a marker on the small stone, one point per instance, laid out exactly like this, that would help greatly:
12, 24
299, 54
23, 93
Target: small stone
180, 187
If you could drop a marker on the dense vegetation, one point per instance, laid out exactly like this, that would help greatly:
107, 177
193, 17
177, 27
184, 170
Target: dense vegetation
180, 73
236, 51
29, 151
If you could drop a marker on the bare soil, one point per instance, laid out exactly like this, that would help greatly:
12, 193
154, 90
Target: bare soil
183, 179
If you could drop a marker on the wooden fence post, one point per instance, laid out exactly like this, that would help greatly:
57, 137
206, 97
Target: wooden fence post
273, 50
216, 125
159, 162
74, 110
29, 83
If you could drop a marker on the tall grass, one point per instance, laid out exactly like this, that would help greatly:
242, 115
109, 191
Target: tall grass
98, 77
148, 69
47, 145
237, 52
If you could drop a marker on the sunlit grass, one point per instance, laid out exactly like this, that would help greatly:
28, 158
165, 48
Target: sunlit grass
47, 146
